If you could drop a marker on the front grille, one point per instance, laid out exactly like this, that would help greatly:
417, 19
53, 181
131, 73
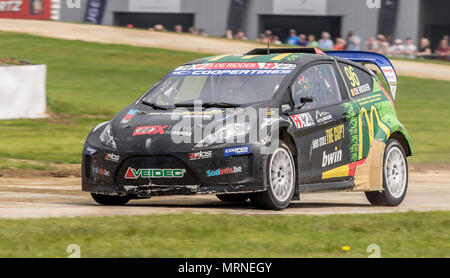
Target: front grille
159, 170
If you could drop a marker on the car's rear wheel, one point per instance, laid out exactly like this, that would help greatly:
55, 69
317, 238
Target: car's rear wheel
108, 200
395, 177
281, 180
233, 198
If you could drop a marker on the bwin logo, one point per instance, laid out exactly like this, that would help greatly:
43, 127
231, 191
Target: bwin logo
331, 158
372, 4
73, 4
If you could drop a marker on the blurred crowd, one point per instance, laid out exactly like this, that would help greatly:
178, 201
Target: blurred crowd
380, 44
408, 49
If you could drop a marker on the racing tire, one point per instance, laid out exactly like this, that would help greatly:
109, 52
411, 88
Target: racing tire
395, 177
108, 200
281, 178
233, 198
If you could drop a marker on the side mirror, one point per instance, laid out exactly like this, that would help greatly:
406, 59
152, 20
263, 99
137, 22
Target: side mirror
303, 101
307, 99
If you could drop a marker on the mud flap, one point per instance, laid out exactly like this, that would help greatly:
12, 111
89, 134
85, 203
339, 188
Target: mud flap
369, 175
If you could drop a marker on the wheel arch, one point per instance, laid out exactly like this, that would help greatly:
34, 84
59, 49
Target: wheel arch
404, 141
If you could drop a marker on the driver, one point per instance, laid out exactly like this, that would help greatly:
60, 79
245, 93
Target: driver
315, 83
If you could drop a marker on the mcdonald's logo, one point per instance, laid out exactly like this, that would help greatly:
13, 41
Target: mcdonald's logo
369, 116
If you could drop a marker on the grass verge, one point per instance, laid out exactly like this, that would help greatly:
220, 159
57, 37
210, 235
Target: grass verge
408, 234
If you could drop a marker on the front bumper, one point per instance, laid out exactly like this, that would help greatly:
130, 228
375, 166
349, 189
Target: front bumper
111, 172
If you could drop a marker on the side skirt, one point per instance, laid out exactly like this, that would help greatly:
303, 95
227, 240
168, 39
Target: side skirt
327, 186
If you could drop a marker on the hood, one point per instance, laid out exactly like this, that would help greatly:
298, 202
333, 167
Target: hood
141, 128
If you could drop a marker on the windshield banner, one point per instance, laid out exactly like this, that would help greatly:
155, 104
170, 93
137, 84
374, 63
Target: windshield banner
234, 69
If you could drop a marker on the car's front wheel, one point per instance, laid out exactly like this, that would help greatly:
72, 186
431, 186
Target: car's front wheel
281, 179
395, 177
108, 200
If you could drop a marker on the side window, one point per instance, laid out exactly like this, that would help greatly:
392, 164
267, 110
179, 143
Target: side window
319, 82
358, 81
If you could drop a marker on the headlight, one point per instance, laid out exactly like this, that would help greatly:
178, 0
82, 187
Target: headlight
99, 126
222, 135
106, 137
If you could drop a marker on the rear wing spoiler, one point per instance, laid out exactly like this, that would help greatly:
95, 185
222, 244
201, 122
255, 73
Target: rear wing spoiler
381, 61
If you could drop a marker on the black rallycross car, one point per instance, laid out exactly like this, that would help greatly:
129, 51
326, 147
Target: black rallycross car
263, 126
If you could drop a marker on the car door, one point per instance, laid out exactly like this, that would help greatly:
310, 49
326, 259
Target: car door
319, 126
368, 124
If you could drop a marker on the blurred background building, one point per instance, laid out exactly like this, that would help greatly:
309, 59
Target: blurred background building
366, 18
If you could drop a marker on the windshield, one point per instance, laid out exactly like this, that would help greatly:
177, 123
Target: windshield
231, 83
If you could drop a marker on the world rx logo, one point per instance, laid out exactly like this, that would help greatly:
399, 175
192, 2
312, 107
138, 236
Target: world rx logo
372, 4
73, 4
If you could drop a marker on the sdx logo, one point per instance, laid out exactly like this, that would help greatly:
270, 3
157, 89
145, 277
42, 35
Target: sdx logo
151, 130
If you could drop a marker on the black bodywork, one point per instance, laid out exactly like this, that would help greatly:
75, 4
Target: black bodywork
106, 176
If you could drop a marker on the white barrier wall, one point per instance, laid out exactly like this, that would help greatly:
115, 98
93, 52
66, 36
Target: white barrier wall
22, 91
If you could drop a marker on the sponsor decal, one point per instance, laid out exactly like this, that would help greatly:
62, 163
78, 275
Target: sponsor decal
224, 171
150, 130
154, 173
323, 117
343, 171
236, 151
356, 87
369, 122
11, 6
129, 116
181, 132
112, 157
374, 115
352, 76
201, 113
391, 78
302, 120
332, 135
250, 65
91, 150
100, 171
331, 158
231, 72
370, 99
26, 9
352, 129
389, 73
200, 155
360, 90
335, 134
